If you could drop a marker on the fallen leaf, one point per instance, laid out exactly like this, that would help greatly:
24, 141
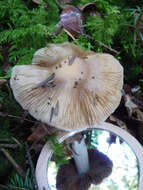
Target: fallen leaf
135, 94
130, 105
138, 100
41, 131
118, 122
139, 114
71, 20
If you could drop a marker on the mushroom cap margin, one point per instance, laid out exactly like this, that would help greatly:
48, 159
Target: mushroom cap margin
76, 109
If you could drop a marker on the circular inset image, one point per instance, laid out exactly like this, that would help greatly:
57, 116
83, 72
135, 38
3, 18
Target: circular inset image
93, 159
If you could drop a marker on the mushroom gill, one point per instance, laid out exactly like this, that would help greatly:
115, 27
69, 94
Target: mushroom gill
67, 87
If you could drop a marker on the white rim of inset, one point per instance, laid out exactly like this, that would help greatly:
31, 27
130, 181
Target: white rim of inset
45, 155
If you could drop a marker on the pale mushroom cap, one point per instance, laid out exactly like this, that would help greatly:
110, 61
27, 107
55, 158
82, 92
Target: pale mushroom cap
83, 88
55, 53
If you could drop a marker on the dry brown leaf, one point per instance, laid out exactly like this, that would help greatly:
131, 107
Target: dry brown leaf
41, 131
135, 94
71, 20
133, 108
118, 122
139, 114
130, 105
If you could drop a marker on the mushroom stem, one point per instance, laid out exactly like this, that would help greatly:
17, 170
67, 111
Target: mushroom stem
80, 155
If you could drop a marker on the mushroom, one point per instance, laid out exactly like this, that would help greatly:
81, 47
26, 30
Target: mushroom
88, 166
45, 156
69, 178
67, 87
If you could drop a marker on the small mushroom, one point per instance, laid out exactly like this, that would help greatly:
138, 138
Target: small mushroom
70, 171
69, 178
67, 87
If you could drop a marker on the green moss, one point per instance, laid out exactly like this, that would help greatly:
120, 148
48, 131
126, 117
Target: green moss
59, 155
62, 37
26, 30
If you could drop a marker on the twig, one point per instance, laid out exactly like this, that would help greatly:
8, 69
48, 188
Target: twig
5, 140
12, 187
31, 166
14, 116
69, 34
17, 141
8, 146
20, 118
107, 47
3, 187
101, 43
19, 170
91, 38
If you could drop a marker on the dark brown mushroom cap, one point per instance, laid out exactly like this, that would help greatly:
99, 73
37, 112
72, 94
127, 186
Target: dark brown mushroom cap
100, 168
68, 178
67, 87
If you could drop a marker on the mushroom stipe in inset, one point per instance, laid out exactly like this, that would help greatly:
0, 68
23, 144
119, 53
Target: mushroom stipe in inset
86, 85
